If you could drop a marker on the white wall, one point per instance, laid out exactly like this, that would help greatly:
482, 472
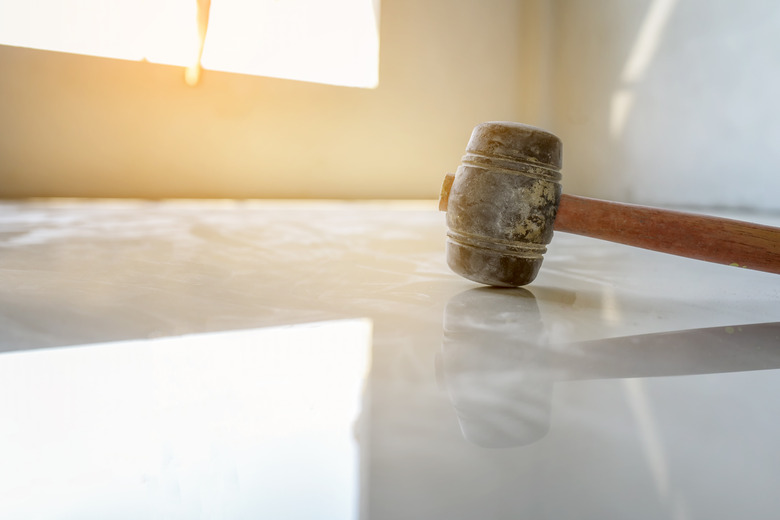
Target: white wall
700, 123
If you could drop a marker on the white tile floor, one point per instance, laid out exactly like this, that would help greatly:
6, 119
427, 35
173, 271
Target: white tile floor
560, 400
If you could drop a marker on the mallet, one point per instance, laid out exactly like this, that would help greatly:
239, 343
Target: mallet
505, 199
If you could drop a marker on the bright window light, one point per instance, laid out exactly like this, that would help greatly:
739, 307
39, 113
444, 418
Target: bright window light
334, 42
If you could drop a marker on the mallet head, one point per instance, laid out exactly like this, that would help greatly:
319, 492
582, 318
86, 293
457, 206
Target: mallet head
502, 202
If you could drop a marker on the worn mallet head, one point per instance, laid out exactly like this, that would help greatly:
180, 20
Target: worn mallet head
501, 203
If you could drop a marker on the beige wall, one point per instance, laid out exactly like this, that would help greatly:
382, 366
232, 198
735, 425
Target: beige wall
82, 126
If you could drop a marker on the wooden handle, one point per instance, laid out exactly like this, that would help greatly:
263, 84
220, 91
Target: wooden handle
713, 239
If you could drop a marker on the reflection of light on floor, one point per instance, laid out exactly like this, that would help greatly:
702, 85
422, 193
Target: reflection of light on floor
334, 42
610, 307
233, 424
642, 52
653, 448
649, 435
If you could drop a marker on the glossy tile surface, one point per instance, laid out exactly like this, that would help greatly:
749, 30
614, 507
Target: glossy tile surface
620, 384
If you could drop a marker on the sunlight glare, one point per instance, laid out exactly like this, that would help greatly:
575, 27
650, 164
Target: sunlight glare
334, 42
91, 27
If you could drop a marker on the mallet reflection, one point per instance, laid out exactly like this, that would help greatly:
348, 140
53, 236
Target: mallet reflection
499, 368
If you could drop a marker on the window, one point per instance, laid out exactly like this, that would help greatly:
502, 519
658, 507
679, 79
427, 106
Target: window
334, 42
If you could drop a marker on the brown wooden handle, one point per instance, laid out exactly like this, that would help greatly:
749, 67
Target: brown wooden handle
713, 239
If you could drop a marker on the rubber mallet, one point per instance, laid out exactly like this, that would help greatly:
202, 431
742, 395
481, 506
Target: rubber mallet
505, 199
